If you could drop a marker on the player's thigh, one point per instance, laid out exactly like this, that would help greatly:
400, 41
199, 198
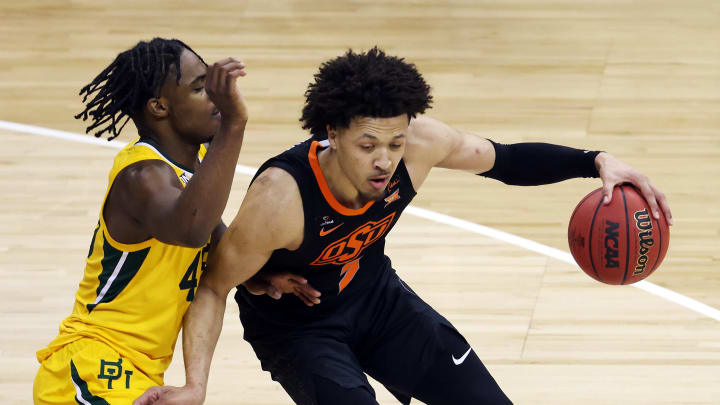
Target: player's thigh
422, 355
88, 371
316, 370
457, 377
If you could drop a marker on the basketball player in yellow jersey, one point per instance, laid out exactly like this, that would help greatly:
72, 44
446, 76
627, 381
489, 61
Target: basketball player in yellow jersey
159, 218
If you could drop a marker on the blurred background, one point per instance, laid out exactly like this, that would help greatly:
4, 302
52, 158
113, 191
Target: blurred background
637, 78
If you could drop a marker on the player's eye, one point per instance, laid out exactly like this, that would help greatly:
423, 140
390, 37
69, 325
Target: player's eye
395, 145
366, 147
199, 89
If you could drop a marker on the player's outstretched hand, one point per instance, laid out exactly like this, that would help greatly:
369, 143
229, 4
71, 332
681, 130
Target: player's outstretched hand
614, 171
275, 285
167, 395
221, 87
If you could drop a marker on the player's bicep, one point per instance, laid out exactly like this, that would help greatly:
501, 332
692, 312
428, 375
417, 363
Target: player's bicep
150, 192
269, 218
471, 153
435, 144
237, 258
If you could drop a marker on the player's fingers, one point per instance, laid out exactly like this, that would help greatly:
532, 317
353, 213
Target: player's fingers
649, 193
231, 80
222, 64
228, 61
218, 74
308, 299
228, 73
282, 284
273, 292
303, 298
145, 399
664, 205
209, 78
221, 79
608, 187
297, 279
309, 290
149, 397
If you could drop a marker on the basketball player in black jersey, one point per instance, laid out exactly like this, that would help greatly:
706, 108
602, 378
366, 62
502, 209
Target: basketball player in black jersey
322, 210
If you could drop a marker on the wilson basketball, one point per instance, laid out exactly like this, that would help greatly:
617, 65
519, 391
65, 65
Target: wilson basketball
618, 243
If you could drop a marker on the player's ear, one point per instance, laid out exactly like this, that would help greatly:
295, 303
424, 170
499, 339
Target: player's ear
157, 107
332, 136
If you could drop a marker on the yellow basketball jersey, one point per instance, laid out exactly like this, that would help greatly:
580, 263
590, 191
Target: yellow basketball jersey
133, 296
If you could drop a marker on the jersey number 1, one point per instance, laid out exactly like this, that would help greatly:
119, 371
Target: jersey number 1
348, 272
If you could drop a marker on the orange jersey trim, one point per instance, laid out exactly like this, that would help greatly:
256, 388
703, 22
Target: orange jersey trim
329, 197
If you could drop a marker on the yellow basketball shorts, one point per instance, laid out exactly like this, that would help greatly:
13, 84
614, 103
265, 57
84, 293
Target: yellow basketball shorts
88, 372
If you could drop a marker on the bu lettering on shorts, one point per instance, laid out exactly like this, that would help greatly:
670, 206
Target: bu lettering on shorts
113, 370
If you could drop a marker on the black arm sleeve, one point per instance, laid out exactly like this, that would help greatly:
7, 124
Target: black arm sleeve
533, 164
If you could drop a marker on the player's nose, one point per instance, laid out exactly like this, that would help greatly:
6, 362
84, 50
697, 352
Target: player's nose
382, 160
383, 164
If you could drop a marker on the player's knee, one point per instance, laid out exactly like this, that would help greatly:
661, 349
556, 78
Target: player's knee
469, 382
329, 392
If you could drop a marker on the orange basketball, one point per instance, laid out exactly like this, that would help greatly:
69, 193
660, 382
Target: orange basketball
618, 243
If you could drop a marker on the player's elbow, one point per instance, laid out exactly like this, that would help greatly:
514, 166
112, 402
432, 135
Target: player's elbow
195, 242
196, 238
193, 235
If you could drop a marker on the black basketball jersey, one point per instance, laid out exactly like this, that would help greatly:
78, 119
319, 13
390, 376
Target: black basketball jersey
342, 252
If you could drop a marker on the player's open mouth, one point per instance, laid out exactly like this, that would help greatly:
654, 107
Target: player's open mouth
379, 182
216, 113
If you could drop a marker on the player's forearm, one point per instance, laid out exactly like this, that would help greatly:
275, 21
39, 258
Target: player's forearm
203, 323
532, 164
216, 236
203, 201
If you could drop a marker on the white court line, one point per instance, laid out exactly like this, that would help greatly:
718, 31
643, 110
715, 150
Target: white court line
661, 292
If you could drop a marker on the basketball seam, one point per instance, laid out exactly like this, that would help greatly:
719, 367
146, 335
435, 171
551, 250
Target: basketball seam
627, 236
590, 240
659, 247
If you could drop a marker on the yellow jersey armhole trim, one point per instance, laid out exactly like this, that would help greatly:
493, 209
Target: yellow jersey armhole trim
125, 247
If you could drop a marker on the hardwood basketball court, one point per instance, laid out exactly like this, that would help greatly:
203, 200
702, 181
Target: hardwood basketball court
640, 79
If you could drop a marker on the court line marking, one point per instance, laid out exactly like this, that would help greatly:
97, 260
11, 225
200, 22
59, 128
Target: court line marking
558, 254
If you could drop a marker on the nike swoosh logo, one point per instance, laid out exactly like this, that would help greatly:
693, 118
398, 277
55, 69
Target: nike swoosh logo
461, 359
324, 232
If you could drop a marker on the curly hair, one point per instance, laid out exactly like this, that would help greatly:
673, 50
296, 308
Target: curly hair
122, 89
370, 84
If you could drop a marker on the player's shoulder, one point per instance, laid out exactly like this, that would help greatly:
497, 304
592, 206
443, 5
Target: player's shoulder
275, 178
151, 175
427, 140
274, 190
424, 131
273, 204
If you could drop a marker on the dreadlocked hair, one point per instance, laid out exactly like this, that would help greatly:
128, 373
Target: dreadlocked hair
370, 84
122, 89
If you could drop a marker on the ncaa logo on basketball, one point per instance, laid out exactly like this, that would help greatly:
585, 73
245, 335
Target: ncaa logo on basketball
644, 227
611, 244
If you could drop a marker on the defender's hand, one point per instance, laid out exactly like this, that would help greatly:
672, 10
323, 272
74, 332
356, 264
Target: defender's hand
613, 171
275, 285
221, 87
167, 395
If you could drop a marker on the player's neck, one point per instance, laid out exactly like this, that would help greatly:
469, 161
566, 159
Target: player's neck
174, 148
340, 186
